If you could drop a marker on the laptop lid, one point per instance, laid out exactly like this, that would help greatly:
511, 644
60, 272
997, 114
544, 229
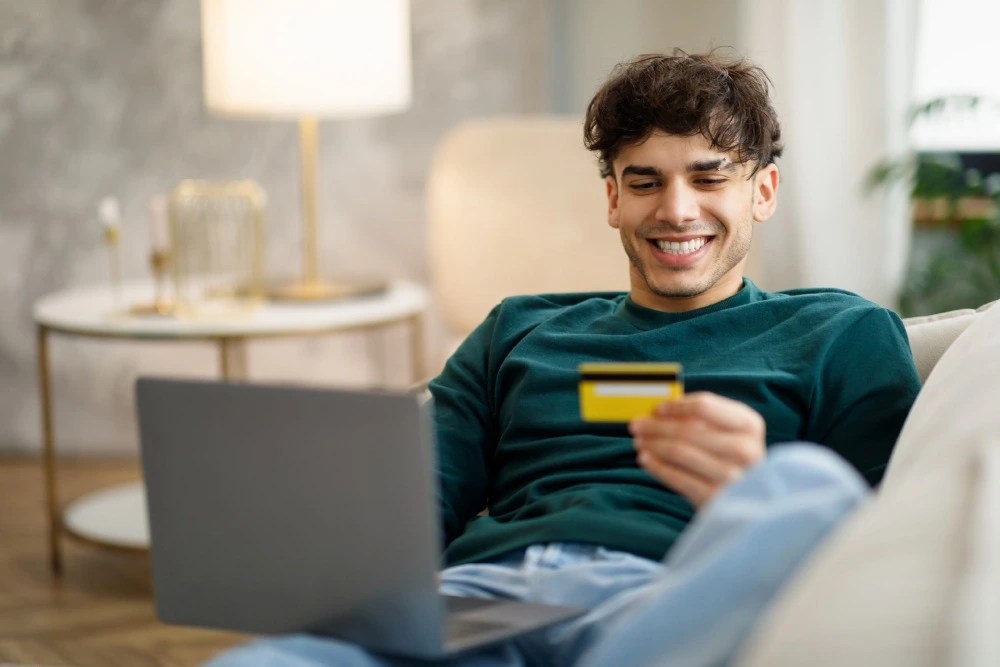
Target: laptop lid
251, 496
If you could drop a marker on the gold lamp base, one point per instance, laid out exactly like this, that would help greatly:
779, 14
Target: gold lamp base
311, 287
323, 290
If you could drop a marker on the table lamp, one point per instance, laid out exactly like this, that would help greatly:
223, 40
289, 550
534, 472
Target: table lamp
307, 59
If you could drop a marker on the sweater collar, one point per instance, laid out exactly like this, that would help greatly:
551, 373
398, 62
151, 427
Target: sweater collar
649, 318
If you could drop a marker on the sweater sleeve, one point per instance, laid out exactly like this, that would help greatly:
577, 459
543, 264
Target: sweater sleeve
863, 391
464, 429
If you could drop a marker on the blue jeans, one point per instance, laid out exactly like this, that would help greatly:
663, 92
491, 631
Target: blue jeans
695, 608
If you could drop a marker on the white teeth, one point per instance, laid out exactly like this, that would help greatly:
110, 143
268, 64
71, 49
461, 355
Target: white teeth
681, 247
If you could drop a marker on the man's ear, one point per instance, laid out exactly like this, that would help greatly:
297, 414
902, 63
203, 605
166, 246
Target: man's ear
612, 190
765, 192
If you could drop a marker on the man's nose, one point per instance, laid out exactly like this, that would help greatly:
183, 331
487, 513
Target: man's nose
678, 204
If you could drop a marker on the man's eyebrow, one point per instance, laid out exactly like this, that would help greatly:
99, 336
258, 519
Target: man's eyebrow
721, 164
639, 170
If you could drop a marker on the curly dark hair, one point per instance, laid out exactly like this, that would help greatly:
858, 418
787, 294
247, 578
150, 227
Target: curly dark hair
725, 100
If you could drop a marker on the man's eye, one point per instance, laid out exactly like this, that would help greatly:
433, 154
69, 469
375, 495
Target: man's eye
644, 185
710, 181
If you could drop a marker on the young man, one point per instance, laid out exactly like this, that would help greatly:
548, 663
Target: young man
583, 513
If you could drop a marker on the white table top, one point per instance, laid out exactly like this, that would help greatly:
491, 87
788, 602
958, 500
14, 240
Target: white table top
91, 311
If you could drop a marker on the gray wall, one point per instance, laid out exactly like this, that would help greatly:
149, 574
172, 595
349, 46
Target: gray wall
588, 37
103, 97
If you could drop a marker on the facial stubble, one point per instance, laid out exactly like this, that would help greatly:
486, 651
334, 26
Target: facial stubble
735, 253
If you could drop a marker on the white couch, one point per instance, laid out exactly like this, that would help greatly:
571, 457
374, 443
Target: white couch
913, 578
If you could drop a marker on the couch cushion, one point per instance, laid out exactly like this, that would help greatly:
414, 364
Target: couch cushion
931, 335
949, 404
911, 579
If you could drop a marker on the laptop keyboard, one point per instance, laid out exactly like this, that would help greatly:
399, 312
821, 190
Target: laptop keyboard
460, 627
458, 605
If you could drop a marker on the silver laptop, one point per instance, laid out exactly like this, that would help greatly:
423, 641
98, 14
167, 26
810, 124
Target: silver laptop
278, 509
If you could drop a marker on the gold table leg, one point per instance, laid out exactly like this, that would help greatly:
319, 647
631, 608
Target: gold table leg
418, 351
48, 452
376, 344
233, 359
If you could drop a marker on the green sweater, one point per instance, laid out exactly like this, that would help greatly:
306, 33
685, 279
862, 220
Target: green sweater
824, 366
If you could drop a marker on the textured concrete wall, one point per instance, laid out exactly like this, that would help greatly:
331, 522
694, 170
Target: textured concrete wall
103, 97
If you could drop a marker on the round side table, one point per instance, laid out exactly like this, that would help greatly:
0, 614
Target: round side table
115, 518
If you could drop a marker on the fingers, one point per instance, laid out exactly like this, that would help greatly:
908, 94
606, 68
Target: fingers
663, 433
690, 457
688, 469
720, 411
699, 443
691, 486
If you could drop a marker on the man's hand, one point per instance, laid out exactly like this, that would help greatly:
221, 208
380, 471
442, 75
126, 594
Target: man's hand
699, 443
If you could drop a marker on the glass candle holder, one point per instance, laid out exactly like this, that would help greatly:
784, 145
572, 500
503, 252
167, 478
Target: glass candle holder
217, 233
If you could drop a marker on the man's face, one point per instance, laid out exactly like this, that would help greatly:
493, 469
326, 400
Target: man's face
685, 212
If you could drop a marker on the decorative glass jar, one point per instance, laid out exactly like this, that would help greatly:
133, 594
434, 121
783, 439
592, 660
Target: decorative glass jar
217, 238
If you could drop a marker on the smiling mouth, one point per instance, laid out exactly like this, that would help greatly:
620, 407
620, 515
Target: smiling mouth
681, 247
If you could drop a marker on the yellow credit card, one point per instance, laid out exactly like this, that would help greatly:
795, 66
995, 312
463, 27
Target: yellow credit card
620, 392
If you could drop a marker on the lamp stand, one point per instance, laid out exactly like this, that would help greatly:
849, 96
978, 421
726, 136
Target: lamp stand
312, 287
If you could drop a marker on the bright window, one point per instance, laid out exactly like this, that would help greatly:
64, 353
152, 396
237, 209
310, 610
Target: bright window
956, 55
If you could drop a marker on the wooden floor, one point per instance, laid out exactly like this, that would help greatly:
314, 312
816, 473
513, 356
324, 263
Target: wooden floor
100, 614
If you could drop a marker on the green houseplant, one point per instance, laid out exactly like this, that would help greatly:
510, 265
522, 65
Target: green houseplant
957, 211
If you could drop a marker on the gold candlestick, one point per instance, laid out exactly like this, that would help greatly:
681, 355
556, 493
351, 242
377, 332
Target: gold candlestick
161, 305
109, 214
159, 261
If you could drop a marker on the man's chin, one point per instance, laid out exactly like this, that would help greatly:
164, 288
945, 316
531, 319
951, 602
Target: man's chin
679, 289
679, 293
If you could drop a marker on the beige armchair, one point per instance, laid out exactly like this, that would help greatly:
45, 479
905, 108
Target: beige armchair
515, 205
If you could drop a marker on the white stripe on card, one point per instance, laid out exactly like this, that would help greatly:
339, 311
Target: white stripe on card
631, 389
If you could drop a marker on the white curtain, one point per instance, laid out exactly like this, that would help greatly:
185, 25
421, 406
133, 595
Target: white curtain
842, 76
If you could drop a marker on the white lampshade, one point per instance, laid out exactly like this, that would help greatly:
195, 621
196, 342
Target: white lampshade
293, 58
